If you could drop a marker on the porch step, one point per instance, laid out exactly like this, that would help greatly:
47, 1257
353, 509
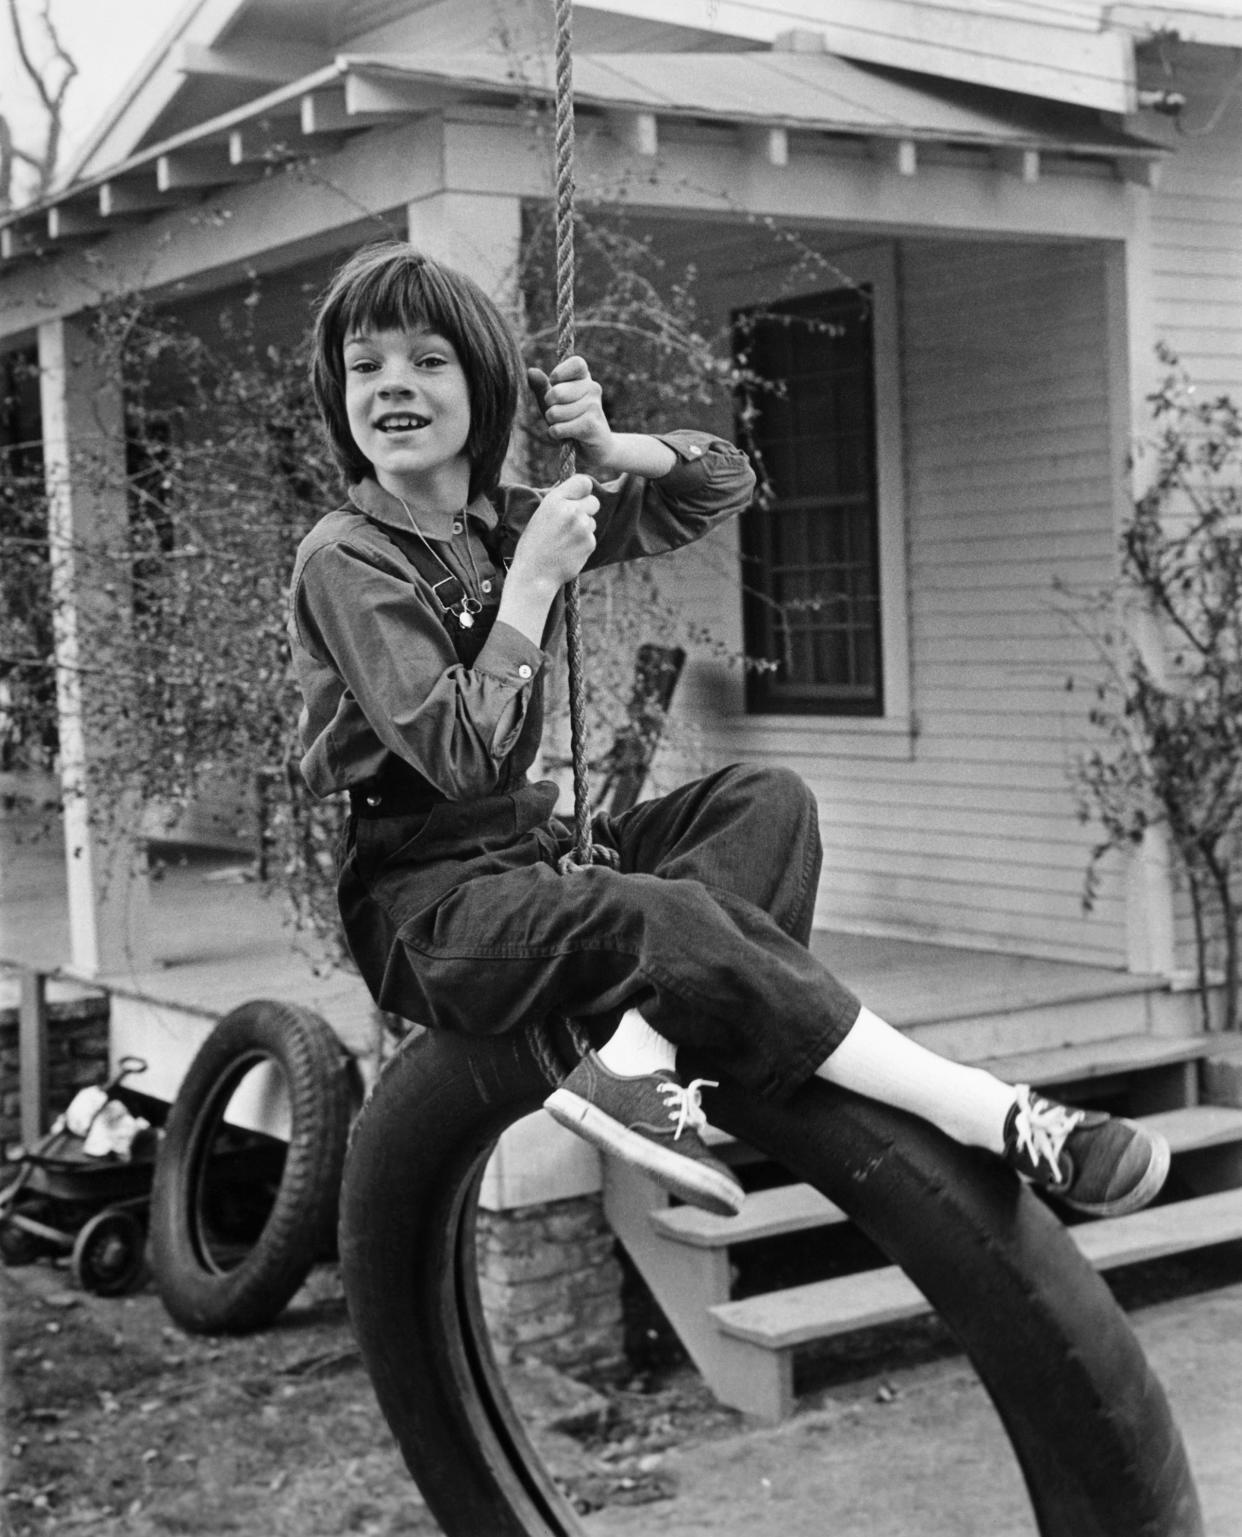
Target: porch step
801, 1208
781, 1321
1082, 1062
766, 1214
1085, 1063
1086, 1014
745, 1349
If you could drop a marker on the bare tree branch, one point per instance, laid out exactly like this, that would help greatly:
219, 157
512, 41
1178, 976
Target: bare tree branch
51, 82
6, 162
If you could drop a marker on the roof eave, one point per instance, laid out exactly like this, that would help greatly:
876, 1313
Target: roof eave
356, 92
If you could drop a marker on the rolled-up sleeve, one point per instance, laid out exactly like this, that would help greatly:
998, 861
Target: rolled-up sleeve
711, 482
378, 632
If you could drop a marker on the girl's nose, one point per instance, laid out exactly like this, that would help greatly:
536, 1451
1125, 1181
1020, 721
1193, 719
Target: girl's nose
396, 383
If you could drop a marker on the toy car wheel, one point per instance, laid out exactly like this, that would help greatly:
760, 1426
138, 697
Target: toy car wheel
108, 1253
18, 1247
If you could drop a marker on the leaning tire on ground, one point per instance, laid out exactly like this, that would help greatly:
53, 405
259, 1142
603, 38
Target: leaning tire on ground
1089, 1424
238, 1217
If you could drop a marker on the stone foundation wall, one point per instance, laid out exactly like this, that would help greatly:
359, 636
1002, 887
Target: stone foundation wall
77, 1055
550, 1284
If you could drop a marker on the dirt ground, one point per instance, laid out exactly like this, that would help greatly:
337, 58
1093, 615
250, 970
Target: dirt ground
119, 1423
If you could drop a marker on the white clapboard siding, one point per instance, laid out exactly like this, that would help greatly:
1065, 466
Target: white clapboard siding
1009, 459
1196, 240
1056, 500
968, 832
1195, 267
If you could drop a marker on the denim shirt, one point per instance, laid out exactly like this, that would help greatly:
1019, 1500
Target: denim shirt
384, 685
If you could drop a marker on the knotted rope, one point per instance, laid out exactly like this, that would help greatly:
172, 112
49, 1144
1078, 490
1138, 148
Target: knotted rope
584, 852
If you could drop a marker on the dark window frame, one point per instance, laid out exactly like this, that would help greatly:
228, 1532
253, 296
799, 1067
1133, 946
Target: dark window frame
811, 558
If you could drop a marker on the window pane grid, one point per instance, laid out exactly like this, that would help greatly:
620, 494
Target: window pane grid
812, 552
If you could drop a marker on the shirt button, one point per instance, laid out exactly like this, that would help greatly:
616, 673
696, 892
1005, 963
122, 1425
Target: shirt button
486, 585
525, 670
458, 525
694, 450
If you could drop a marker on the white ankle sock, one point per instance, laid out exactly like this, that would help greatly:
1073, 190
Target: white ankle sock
966, 1103
634, 1048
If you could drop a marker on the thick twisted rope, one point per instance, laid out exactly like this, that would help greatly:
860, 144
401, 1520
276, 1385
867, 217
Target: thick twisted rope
581, 853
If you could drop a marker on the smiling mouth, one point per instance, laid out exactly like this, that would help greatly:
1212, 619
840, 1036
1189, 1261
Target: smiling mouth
402, 422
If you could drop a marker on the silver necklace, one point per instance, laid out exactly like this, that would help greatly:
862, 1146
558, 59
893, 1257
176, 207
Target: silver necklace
469, 606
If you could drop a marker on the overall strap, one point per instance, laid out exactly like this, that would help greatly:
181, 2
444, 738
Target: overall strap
449, 592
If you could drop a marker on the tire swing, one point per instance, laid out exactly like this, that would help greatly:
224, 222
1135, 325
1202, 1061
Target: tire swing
1089, 1424
238, 1216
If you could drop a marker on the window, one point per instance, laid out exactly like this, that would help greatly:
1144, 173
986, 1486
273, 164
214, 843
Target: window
811, 549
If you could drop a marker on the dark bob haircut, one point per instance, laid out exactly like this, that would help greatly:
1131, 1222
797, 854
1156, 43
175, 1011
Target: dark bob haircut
391, 286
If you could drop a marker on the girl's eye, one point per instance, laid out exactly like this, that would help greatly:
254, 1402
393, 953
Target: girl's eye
362, 366
432, 360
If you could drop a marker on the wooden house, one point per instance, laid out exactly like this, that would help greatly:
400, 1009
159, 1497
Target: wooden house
1030, 197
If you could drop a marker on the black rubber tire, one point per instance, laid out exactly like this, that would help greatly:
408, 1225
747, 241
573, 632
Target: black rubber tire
1089, 1424
203, 1292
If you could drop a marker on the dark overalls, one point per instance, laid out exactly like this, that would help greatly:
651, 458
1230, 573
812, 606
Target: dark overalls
458, 917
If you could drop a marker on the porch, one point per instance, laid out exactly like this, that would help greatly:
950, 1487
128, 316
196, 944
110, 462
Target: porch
217, 940
1101, 1034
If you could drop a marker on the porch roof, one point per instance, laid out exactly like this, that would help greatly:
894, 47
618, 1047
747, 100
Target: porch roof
770, 94
813, 91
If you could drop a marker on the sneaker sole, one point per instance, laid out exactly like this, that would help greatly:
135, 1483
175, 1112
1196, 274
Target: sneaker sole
682, 1176
1147, 1189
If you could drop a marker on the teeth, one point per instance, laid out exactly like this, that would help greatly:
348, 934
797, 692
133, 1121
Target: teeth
401, 423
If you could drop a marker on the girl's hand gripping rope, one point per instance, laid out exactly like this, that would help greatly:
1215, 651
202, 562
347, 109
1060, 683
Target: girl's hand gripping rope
559, 539
572, 404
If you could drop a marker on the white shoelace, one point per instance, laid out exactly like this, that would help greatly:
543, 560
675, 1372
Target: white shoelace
1041, 1127
685, 1105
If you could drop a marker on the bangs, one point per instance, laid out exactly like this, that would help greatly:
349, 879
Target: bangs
400, 295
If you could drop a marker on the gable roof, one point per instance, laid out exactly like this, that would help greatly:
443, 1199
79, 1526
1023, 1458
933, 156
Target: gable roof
150, 86
808, 91
773, 92
217, 55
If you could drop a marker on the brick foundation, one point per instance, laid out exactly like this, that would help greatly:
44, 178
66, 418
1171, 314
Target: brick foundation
551, 1285
77, 1056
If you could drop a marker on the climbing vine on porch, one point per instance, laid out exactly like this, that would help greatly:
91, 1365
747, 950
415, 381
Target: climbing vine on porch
1168, 697
225, 471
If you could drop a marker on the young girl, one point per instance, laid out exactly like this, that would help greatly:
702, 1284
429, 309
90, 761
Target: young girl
423, 611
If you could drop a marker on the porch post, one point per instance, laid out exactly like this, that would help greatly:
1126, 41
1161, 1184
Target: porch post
84, 466
1133, 376
478, 233
481, 235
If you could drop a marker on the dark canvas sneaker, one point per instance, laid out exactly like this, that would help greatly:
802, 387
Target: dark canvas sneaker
652, 1121
1093, 1162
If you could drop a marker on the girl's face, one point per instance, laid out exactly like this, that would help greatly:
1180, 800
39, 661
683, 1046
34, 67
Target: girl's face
408, 406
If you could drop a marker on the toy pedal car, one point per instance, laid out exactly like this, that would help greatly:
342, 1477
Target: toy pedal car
60, 1199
